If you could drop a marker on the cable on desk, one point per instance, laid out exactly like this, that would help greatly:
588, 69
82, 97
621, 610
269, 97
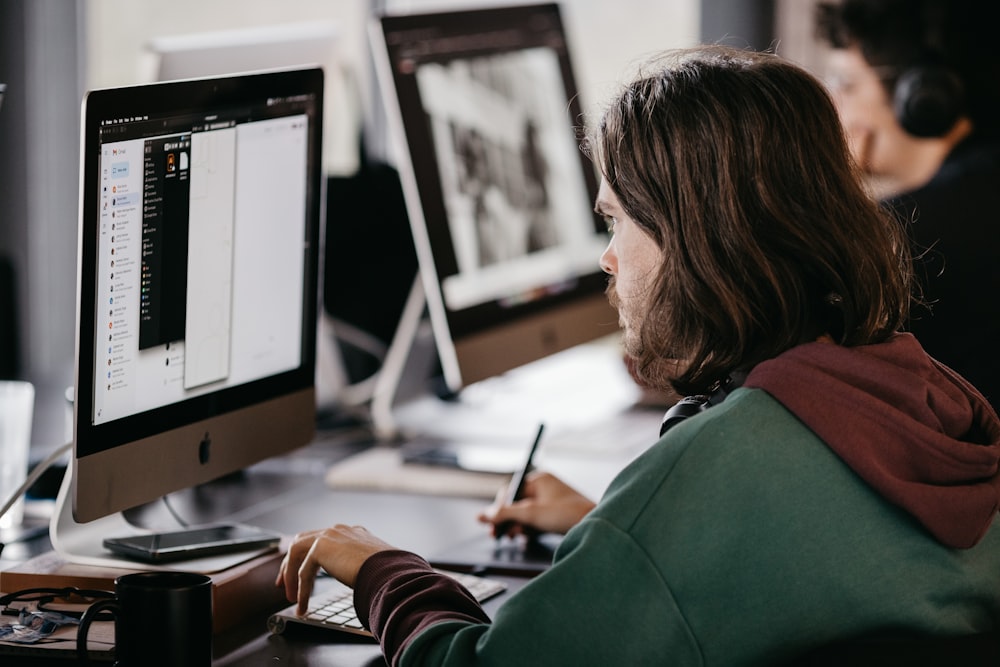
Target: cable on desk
33, 476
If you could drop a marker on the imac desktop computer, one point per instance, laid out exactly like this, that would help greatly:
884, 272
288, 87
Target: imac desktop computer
198, 249
484, 118
498, 191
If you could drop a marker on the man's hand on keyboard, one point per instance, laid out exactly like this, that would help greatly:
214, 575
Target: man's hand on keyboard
340, 550
548, 505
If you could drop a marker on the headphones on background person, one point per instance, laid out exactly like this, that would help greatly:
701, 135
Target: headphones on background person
929, 96
928, 100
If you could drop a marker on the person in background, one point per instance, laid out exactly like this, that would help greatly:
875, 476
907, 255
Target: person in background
846, 490
917, 85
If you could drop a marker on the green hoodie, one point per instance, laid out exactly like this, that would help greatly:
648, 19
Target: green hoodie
740, 538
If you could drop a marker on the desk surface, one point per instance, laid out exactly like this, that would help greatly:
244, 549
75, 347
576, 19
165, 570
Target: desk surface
289, 495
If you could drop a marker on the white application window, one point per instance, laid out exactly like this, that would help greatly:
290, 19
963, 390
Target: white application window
270, 232
208, 330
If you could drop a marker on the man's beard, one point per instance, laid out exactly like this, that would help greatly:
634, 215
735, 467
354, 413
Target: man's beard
653, 372
630, 337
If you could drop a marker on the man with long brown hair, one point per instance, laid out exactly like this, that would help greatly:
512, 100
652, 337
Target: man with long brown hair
846, 489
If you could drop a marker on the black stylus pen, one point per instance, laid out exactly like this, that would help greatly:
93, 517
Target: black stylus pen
516, 487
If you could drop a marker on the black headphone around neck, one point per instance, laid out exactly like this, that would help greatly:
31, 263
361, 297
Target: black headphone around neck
689, 406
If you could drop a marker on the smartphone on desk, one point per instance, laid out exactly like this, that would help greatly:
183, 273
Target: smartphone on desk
191, 543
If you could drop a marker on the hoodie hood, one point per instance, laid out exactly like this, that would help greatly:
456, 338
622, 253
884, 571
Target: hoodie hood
912, 428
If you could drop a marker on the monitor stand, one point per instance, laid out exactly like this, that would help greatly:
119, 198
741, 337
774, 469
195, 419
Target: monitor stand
488, 425
81, 543
403, 387
407, 364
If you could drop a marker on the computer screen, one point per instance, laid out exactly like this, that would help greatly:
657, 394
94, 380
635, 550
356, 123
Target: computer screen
485, 113
197, 290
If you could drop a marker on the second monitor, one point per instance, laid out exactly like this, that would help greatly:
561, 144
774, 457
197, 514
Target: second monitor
499, 194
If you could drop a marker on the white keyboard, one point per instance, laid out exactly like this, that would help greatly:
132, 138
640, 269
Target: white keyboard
335, 610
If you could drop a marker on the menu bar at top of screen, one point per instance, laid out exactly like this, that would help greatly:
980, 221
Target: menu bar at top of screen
120, 128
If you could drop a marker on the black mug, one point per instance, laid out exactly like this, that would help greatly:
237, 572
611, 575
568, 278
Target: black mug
162, 619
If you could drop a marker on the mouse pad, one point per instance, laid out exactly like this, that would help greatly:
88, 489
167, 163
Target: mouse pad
483, 555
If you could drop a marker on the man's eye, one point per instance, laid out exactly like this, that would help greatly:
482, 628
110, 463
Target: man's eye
610, 222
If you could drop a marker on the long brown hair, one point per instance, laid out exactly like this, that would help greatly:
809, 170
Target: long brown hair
735, 163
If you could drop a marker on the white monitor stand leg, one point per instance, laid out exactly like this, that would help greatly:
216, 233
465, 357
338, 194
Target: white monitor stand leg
81, 542
395, 366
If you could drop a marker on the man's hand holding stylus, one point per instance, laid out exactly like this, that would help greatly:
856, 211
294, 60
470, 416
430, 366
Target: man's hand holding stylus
547, 505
